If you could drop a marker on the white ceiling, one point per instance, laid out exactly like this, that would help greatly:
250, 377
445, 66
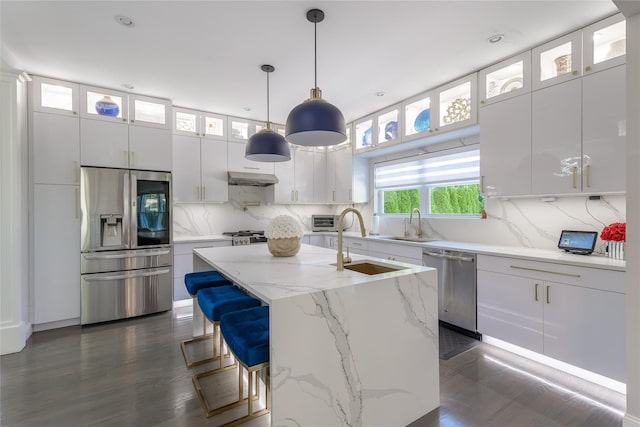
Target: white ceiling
206, 54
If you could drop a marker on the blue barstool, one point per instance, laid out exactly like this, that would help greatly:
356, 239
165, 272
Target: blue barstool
194, 282
247, 335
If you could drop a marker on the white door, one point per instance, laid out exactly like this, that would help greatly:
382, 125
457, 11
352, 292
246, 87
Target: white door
556, 144
56, 149
585, 327
505, 147
56, 255
104, 143
186, 169
213, 164
304, 176
604, 130
508, 310
149, 148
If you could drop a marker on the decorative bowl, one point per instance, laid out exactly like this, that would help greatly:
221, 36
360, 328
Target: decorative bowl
423, 121
107, 107
288, 246
391, 131
366, 138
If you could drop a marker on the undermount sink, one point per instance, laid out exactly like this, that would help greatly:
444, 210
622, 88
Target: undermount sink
370, 268
410, 239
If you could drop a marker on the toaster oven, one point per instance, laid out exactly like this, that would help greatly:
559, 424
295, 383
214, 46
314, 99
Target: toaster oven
324, 222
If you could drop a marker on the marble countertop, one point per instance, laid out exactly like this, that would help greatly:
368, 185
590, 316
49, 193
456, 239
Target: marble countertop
545, 255
312, 269
205, 238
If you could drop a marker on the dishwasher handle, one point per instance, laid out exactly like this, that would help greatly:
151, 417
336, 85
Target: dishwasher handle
447, 256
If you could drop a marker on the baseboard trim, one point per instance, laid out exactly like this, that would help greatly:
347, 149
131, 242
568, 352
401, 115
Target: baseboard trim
13, 337
57, 324
630, 421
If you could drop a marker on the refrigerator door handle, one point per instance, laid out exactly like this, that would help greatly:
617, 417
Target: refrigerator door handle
133, 198
121, 256
126, 276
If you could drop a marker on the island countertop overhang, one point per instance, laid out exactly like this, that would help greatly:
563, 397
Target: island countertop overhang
311, 270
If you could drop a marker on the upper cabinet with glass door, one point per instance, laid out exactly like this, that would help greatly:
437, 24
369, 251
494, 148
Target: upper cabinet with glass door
240, 130
419, 114
388, 125
457, 104
604, 44
557, 61
149, 112
506, 79
55, 96
198, 123
103, 104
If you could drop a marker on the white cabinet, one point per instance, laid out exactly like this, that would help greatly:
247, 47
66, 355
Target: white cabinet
142, 141
604, 44
199, 170
199, 123
183, 264
238, 163
604, 130
297, 177
556, 138
557, 61
54, 96
572, 314
56, 253
347, 176
504, 80
240, 130
55, 149
379, 129
505, 147
395, 252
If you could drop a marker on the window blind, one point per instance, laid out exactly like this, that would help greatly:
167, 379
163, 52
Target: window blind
428, 170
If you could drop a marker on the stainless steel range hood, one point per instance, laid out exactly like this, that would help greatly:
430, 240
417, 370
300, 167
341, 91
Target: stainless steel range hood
252, 179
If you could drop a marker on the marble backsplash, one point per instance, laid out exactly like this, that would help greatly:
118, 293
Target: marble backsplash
527, 222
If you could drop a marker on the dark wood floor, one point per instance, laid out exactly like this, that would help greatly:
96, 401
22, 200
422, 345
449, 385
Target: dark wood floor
131, 373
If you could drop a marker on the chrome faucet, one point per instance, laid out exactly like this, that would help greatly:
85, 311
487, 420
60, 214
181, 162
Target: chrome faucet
340, 255
419, 220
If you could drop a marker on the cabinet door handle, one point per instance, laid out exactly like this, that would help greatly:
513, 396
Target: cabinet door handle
356, 244
250, 167
77, 200
125, 157
293, 197
198, 193
482, 184
124, 119
133, 158
587, 68
75, 171
536, 292
588, 173
548, 299
574, 171
545, 271
334, 195
575, 72
297, 194
204, 193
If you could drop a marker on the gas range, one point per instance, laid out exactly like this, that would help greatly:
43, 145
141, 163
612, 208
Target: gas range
246, 237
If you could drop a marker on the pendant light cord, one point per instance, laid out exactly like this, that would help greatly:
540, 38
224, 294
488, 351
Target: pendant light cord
267, 99
315, 54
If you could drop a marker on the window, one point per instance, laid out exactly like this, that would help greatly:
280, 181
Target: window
438, 184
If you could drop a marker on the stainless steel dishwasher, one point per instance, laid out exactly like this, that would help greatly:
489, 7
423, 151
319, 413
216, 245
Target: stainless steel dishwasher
456, 286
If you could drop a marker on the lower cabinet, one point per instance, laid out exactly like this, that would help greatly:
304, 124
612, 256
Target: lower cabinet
56, 253
183, 264
572, 314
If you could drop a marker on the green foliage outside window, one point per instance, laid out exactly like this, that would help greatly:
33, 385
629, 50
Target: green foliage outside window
401, 201
456, 200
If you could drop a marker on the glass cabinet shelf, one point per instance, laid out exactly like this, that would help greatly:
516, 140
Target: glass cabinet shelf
94, 97
388, 126
455, 104
609, 42
417, 116
56, 96
364, 134
556, 61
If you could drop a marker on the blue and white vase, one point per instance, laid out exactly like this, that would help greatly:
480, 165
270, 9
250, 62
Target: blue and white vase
107, 107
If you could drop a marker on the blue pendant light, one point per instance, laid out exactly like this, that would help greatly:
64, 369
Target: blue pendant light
315, 122
267, 145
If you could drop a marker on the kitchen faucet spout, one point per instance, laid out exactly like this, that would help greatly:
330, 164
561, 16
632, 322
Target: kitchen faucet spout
341, 260
419, 220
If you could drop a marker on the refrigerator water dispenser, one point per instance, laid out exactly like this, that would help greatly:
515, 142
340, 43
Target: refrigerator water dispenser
111, 226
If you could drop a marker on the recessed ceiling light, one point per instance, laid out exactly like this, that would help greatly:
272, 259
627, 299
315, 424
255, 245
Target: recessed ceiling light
246, 108
125, 21
380, 93
496, 38
127, 86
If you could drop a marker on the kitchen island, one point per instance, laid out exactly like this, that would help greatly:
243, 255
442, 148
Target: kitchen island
346, 348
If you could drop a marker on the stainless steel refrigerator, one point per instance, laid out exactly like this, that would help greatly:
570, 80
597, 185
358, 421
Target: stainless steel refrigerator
126, 243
